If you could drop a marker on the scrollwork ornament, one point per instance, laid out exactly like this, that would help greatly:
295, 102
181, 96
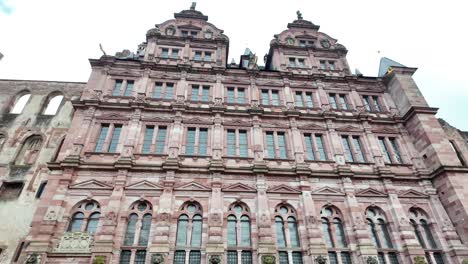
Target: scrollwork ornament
157, 258
371, 260
419, 260
268, 259
215, 259
321, 260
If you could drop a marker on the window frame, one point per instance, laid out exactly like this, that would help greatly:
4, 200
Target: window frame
304, 102
236, 95
122, 92
336, 247
355, 155
154, 139
203, 55
87, 213
196, 145
395, 156
108, 138
199, 96
237, 142
270, 97
315, 148
338, 96
277, 154
369, 103
163, 92
290, 248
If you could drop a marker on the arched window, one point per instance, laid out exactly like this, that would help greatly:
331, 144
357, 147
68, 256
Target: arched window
380, 236
239, 234
137, 233
85, 217
287, 235
189, 233
424, 235
29, 151
334, 233
20, 103
53, 104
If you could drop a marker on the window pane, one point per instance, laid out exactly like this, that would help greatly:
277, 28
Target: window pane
125, 256
179, 257
93, 222
418, 234
115, 138
196, 231
169, 93
203, 141
190, 141
299, 102
161, 140
365, 98
332, 99
140, 257
375, 99
373, 233
428, 234
393, 258
270, 145
297, 257
309, 146
117, 87
230, 95
283, 257
53, 105
387, 242
157, 90
323, 65
232, 231
309, 100
293, 235
384, 149
280, 236
246, 257
182, 225
245, 231
165, 53
102, 138
333, 258
130, 233
331, 64
145, 230
340, 235
148, 139
76, 223
358, 147
240, 95
275, 97
207, 56
347, 148
381, 257
20, 104
198, 55
265, 97
206, 94
232, 257
129, 88
396, 150
438, 258
243, 144
343, 103
231, 143
282, 146
195, 92
194, 257
327, 233
320, 147
345, 258
41, 189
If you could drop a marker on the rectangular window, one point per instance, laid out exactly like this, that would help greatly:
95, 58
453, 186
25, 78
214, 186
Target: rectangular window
129, 88
438, 258
161, 140
323, 65
230, 95
396, 150
184, 33
207, 56
179, 257
237, 144
115, 138
282, 145
232, 257
41, 189
371, 103
317, 151
332, 257
148, 140
196, 141
333, 101
193, 33
276, 145
175, 53
195, 92
309, 146
283, 257
381, 257
299, 101
205, 97
377, 107
165, 53
355, 142
292, 62
301, 63
169, 93
320, 147
10, 190
270, 97
157, 92
231, 143
331, 65
102, 138
270, 145
140, 257
346, 258
163, 90
125, 256
297, 257
344, 104
392, 256
194, 257
302, 43
117, 87
200, 94
246, 257
358, 148
347, 148
275, 100
235, 95
384, 149
389, 146
240, 95
338, 101
367, 103
265, 97
304, 99
198, 56
243, 143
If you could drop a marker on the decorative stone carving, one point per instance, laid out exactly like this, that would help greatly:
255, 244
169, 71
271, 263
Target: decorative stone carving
52, 213
75, 242
321, 260
33, 259
372, 260
215, 259
100, 260
419, 260
157, 258
268, 259
111, 218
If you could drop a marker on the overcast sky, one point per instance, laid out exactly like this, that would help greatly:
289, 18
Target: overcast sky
53, 39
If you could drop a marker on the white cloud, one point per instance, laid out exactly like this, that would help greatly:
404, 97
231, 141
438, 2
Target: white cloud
52, 39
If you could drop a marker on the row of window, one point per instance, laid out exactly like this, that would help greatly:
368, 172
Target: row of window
239, 95
174, 53
155, 140
50, 107
189, 233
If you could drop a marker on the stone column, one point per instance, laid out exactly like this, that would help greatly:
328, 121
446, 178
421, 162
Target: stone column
335, 142
298, 146
266, 244
215, 245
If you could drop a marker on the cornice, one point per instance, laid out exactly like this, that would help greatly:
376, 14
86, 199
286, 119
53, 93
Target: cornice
419, 110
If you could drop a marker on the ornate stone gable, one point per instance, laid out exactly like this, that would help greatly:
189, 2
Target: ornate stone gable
349, 128
238, 187
312, 126
92, 185
370, 192
192, 186
113, 116
412, 194
144, 185
197, 120
283, 188
237, 122
385, 130
327, 191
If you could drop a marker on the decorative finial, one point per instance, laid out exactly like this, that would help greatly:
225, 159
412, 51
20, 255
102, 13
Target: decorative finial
194, 4
299, 15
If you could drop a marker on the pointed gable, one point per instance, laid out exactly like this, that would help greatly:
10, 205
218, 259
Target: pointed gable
282, 188
144, 185
311, 127
370, 192
348, 128
92, 185
192, 186
238, 187
327, 191
412, 194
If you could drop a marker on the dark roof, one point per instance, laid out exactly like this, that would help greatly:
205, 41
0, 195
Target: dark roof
386, 63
